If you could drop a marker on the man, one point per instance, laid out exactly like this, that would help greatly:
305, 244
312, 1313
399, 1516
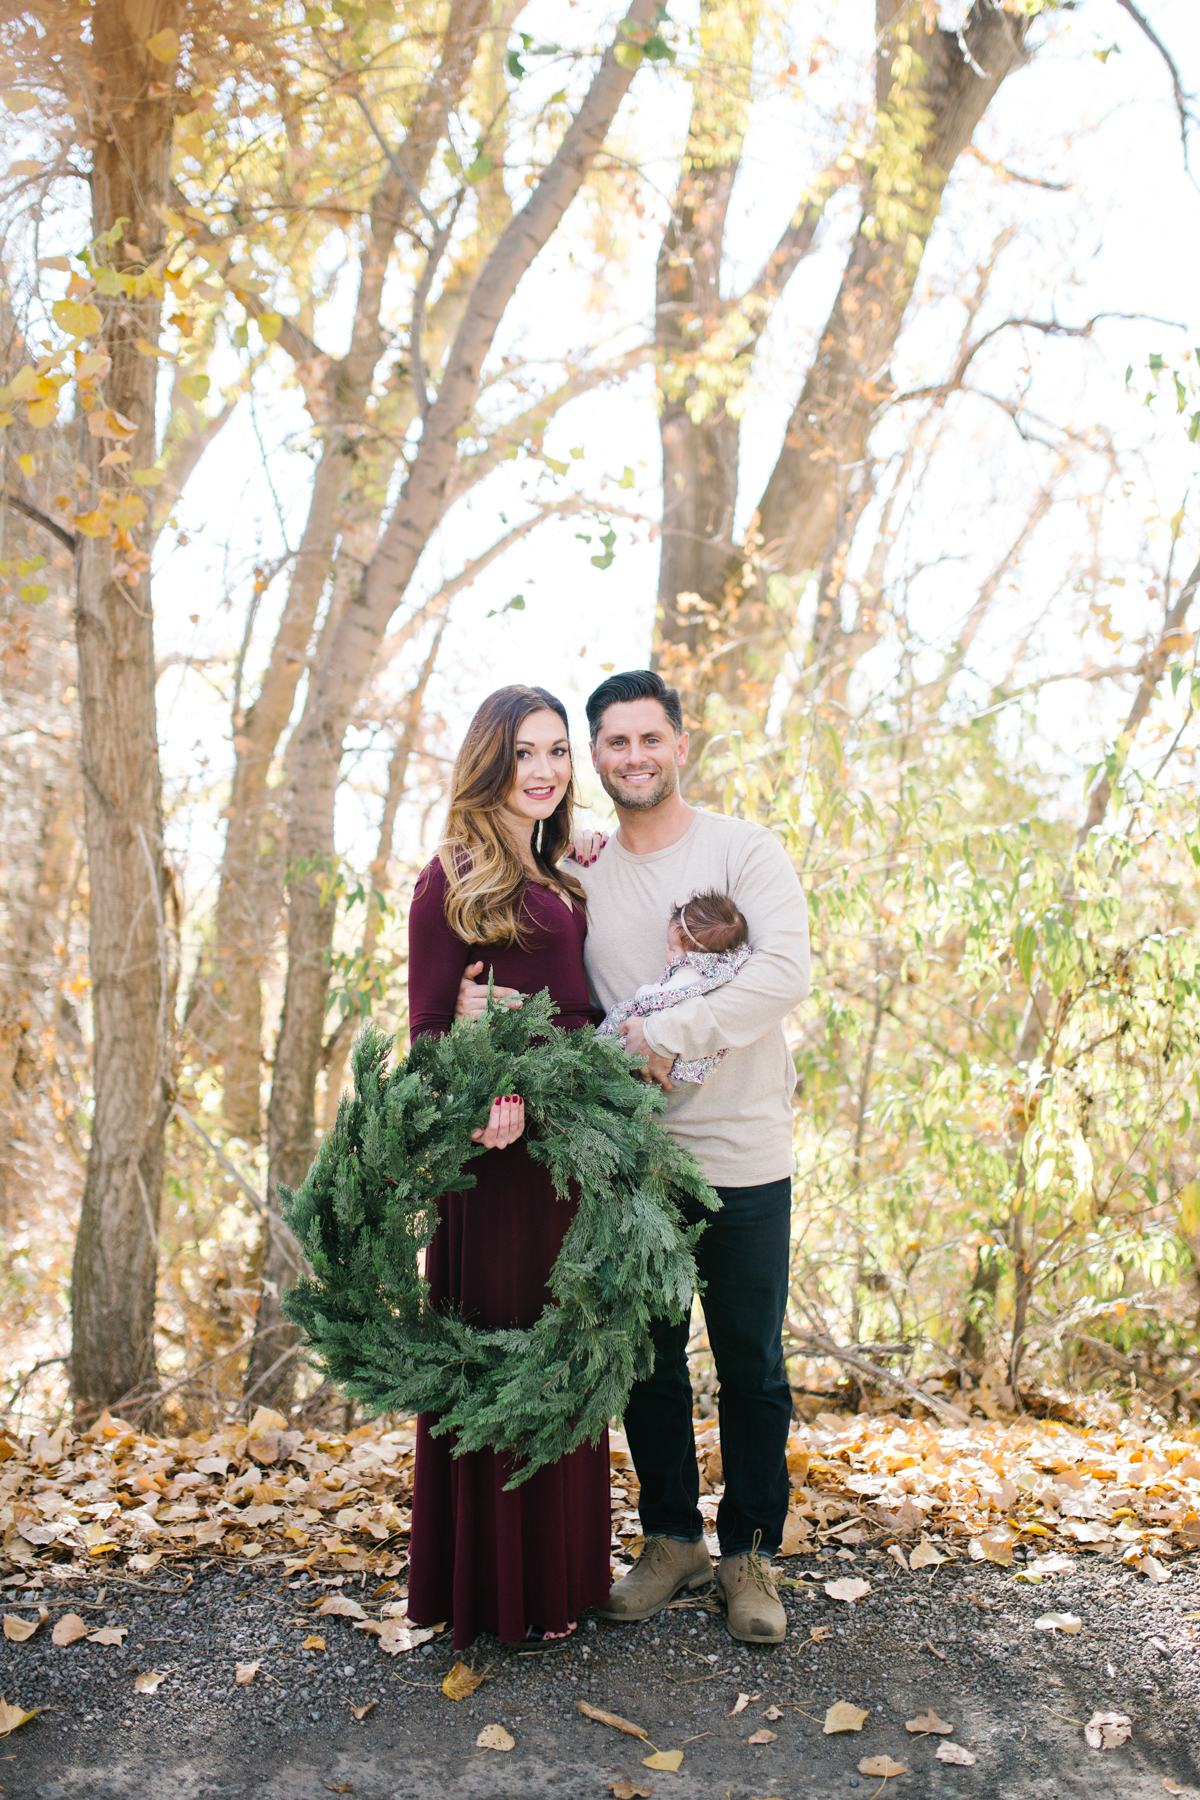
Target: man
738, 1124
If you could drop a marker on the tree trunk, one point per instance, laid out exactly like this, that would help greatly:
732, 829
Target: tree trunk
251, 885
827, 433
116, 1252
337, 1052
333, 694
699, 436
930, 99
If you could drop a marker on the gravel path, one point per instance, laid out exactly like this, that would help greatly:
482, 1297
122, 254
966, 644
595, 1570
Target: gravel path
961, 1640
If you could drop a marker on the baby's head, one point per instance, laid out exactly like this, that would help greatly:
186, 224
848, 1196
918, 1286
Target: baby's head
707, 922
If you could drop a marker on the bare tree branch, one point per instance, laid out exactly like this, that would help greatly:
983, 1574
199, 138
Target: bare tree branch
38, 517
1144, 25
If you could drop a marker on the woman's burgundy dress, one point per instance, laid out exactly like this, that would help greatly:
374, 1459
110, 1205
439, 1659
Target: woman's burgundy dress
488, 1560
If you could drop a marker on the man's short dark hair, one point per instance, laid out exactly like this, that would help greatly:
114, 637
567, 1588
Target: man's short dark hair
633, 684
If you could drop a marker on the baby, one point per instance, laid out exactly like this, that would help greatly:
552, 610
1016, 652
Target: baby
707, 943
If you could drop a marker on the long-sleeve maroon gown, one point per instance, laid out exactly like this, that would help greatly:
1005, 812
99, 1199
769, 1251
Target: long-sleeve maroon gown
487, 1560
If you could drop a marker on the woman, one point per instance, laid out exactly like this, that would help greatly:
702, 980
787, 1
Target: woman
523, 1563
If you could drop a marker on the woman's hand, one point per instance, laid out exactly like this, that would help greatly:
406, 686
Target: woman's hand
587, 845
473, 995
506, 1122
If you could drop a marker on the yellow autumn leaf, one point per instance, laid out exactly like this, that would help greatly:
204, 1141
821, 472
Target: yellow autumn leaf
460, 1682
881, 1765
27, 466
78, 318
244, 1673
149, 1683
106, 422
163, 46
109, 1634
154, 478
313, 1642
928, 1723
13, 1717
24, 384
91, 366
664, 1759
130, 510
17, 1629
195, 386
270, 324
41, 413
19, 100
494, 1737
94, 525
841, 1716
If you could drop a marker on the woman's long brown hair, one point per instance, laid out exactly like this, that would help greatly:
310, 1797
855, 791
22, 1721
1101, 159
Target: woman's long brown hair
485, 879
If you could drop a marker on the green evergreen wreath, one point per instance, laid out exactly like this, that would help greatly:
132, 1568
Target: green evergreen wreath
367, 1207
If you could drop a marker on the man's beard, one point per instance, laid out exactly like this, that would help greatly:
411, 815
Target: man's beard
643, 800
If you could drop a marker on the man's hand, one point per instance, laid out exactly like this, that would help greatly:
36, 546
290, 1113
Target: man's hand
658, 1067
506, 1122
473, 996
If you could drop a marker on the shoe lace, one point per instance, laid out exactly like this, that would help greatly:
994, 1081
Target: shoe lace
654, 1550
759, 1566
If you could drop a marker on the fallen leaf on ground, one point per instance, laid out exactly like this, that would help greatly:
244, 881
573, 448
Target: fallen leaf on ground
244, 1673
742, 1702
663, 1759
896, 1551
1148, 1566
12, 1717
1067, 1622
881, 1765
360, 1712
69, 1629
17, 1629
494, 1737
928, 1723
460, 1682
1050, 1565
773, 1712
336, 1606
633, 1790
763, 1736
149, 1683
606, 1718
818, 1633
313, 1643
841, 1716
109, 1634
924, 1556
955, 1753
346, 1788
994, 1546
1104, 1731
849, 1588
393, 1637
1172, 1787
795, 1530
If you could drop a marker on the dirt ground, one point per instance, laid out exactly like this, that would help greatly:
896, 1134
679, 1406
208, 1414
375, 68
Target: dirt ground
961, 1640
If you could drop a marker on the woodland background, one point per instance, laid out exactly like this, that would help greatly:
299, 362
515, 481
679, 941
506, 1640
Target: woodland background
833, 359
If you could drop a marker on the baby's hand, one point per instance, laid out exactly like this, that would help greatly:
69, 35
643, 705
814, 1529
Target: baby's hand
587, 845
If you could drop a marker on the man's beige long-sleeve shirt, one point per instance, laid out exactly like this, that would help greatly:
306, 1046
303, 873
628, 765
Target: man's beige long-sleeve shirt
739, 1123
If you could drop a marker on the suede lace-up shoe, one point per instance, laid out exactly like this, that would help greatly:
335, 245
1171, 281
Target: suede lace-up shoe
666, 1567
754, 1611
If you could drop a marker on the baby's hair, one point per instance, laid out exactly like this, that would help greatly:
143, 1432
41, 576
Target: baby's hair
712, 922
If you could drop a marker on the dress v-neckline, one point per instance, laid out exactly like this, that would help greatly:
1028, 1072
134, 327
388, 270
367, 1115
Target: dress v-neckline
556, 893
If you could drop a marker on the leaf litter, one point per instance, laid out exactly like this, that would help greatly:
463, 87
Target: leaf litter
325, 1503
